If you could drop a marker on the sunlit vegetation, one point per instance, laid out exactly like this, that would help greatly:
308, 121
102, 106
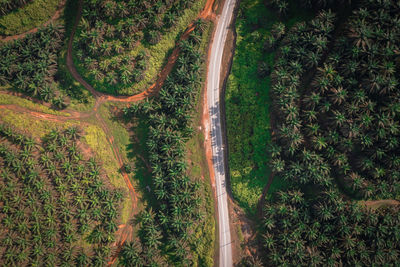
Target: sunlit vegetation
24, 15
29, 65
110, 32
335, 101
179, 198
329, 231
57, 208
346, 117
247, 99
7, 6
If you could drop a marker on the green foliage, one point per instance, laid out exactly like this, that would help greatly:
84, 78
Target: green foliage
14, 100
7, 6
32, 15
52, 196
283, 6
336, 124
178, 196
347, 124
328, 232
30, 64
247, 100
109, 36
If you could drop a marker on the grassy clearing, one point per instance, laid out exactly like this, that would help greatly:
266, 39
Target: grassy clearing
119, 133
204, 237
81, 99
28, 17
158, 55
247, 103
15, 100
97, 141
94, 137
33, 126
123, 141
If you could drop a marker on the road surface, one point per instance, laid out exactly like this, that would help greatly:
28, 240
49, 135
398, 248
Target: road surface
213, 81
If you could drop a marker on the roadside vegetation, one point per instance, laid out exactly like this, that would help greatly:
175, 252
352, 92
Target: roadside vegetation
29, 65
54, 197
174, 233
20, 16
335, 123
115, 40
247, 99
7, 6
70, 182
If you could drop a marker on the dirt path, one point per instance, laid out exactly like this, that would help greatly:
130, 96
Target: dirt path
100, 98
56, 15
154, 88
374, 204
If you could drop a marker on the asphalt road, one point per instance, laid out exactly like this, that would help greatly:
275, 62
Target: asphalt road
214, 71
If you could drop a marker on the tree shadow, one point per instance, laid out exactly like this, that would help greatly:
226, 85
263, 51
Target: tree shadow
137, 153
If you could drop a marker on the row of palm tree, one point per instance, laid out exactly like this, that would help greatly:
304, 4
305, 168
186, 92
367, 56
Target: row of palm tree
146, 250
169, 118
328, 231
336, 125
283, 6
8, 6
51, 197
29, 64
110, 30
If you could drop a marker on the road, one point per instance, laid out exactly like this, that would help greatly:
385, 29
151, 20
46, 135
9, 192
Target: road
213, 81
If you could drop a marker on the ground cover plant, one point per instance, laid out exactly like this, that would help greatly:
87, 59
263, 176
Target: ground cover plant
283, 6
29, 64
7, 6
168, 236
54, 201
31, 14
247, 99
110, 33
336, 124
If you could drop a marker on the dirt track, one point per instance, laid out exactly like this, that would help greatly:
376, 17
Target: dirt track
100, 98
56, 15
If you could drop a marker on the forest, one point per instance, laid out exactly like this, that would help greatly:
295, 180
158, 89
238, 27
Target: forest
114, 30
335, 106
106, 136
29, 65
7, 6
63, 174
53, 196
179, 198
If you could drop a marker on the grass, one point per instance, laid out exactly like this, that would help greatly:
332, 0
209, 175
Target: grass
28, 17
157, 55
204, 235
97, 141
94, 137
203, 240
81, 99
33, 126
119, 133
15, 100
248, 102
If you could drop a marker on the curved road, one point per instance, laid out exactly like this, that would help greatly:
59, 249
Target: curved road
213, 81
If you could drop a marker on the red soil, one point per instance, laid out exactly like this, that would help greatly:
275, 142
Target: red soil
125, 230
56, 15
